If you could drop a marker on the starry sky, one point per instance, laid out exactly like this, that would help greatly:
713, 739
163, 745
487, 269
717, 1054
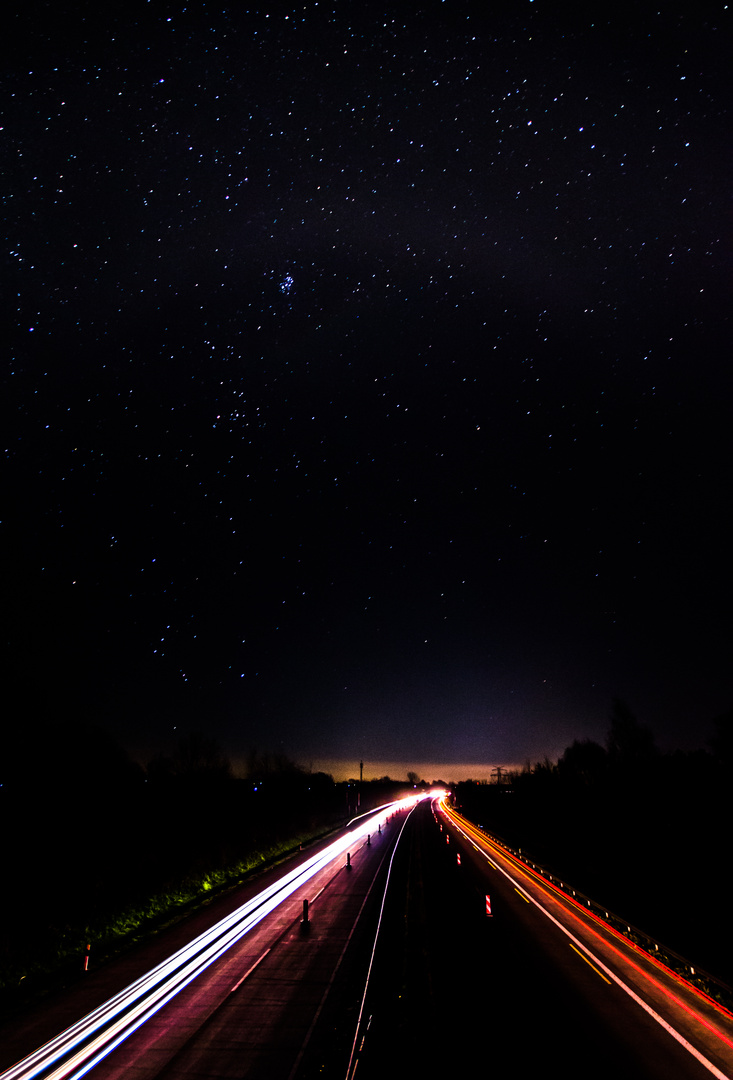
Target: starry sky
368, 389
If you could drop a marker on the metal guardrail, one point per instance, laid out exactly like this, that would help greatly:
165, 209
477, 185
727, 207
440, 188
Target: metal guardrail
714, 987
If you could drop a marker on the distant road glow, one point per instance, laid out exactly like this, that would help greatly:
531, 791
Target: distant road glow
75, 1051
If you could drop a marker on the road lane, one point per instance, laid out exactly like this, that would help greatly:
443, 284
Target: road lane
153, 1018
647, 997
458, 990
254, 1015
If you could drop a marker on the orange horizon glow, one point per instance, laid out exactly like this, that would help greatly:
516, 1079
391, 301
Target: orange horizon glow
446, 773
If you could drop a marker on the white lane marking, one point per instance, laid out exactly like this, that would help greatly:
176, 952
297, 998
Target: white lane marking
612, 975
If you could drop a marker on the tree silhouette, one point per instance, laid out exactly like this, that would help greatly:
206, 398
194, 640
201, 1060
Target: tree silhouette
195, 758
630, 744
721, 742
199, 756
584, 762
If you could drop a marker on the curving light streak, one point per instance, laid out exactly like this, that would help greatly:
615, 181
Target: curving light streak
353, 1058
75, 1051
465, 828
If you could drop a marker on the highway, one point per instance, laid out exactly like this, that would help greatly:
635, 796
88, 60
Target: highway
537, 981
400, 966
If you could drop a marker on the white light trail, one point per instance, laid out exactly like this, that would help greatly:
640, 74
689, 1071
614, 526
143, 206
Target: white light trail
75, 1051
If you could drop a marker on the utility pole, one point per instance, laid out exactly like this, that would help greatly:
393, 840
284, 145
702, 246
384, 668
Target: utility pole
361, 778
498, 770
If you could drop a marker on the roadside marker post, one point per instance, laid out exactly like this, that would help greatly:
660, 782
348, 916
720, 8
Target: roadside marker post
488, 905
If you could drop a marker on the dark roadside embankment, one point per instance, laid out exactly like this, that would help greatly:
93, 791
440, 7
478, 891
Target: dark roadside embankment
650, 846
100, 852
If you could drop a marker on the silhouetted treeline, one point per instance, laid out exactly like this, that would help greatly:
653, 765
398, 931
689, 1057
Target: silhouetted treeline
90, 835
644, 832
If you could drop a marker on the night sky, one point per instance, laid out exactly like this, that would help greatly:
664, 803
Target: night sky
368, 391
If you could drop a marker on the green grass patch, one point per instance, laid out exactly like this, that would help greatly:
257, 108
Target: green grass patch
58, 959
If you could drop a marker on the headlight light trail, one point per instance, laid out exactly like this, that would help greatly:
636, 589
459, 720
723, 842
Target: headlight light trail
75, 1051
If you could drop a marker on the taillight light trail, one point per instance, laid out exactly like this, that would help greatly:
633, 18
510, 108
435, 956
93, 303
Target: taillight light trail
465, 828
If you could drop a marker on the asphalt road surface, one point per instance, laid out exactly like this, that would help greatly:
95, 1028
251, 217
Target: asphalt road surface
255, 1010
538, 985
399, 968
